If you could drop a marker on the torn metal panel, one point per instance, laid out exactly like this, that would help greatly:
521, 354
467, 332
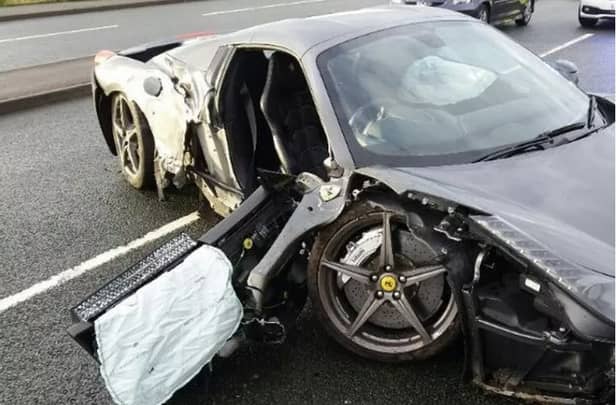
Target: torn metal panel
167, 113
159, 338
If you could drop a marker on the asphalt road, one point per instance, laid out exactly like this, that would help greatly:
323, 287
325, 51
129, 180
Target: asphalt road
43, 40
64, 202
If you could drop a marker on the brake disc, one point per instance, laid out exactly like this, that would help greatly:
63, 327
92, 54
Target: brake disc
412, 251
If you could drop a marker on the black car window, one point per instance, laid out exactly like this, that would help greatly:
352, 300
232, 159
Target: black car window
442, 92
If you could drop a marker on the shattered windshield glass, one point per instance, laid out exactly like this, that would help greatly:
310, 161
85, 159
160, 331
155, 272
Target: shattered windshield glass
442, 93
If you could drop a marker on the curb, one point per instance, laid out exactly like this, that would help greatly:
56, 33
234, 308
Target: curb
34, 100
102, 7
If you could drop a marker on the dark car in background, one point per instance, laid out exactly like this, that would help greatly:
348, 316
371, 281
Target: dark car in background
490, 11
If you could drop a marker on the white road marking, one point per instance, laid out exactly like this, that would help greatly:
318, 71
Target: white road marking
242, 10
55, 34
566, 45
97, 261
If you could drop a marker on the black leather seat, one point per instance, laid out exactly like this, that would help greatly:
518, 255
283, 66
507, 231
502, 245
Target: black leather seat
247, 131
288, 107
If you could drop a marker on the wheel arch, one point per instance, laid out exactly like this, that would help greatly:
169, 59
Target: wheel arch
166, 113
102, 106
369, 189
390, 196
366, 193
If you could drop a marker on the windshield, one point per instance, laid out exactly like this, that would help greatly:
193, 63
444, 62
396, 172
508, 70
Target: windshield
442, 93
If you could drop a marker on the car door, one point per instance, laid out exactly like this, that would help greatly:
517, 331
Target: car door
220, 179
505, 9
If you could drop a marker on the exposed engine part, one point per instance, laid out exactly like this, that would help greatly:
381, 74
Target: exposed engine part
543, 354
452, 226
477, 268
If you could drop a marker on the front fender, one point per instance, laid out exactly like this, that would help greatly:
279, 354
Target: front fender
321, 204
166, 114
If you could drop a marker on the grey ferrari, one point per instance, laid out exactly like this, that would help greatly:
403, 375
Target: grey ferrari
415, 172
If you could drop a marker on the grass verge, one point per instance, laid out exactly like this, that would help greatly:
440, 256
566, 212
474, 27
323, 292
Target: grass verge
25, 2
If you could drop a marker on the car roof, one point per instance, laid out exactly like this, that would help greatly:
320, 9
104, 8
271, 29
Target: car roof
298, 35
301, 34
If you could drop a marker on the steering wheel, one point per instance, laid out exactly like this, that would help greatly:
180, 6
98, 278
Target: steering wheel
369, 114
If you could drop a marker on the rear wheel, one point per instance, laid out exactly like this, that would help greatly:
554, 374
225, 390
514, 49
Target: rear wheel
527, 14
378, 287
133, 141
484, 13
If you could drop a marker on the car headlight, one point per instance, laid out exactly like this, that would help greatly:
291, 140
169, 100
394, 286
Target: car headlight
595, 291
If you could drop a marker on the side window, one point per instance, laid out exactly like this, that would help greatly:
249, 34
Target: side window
267, 110
217, 65
292, 116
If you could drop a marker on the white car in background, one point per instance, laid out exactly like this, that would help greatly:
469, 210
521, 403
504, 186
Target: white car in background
591, 11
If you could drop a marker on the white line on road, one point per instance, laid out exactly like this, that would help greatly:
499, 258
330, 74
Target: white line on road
242, 10
55, 34
566, 45
95, 262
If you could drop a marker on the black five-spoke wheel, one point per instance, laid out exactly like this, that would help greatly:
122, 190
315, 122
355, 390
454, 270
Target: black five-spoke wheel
133, 142
381, 288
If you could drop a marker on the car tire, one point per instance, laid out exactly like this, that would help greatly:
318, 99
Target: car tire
133, 141
527, 14
483, 13
586, 22
441, 333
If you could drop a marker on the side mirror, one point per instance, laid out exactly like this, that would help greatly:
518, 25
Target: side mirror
568, 69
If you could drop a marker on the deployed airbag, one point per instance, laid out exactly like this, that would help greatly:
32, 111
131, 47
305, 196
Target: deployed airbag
440, 82
156, 340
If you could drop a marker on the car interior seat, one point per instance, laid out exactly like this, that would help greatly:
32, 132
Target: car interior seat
290, 112
248, 135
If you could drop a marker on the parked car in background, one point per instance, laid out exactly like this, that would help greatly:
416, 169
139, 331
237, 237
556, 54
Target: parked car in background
489, 11
591, 11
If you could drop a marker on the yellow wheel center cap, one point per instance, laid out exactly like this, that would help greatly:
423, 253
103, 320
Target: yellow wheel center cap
388, 283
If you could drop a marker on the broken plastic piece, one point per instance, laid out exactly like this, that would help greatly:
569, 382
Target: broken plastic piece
157, 339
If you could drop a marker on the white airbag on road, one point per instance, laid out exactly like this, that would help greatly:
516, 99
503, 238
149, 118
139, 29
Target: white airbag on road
156, 340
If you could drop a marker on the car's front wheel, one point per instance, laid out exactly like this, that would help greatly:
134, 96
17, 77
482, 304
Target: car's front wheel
527, 14
133, 141
379, 287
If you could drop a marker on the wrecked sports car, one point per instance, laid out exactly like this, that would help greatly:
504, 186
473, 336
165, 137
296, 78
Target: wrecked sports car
415, 172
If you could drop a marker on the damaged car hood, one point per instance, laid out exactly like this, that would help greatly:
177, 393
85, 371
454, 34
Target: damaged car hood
562, 197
